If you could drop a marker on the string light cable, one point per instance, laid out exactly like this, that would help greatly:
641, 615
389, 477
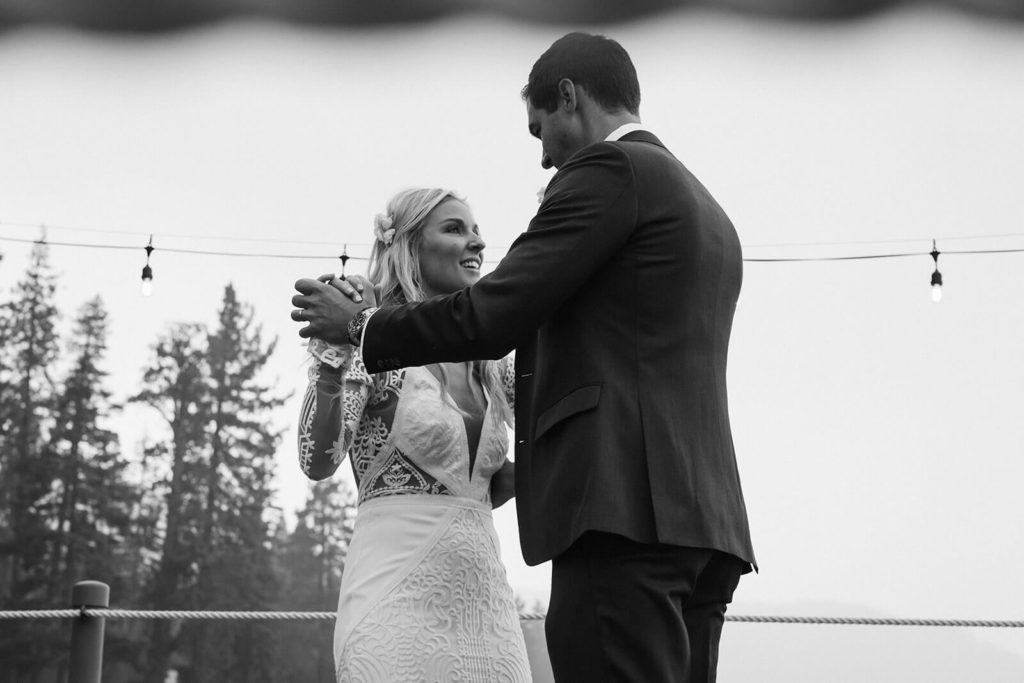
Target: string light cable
147, 271
345, 256
174, 250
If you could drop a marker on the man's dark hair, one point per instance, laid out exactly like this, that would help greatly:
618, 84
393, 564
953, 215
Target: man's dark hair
598, 64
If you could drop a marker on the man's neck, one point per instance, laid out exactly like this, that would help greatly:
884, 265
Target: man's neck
623, 130
608, 123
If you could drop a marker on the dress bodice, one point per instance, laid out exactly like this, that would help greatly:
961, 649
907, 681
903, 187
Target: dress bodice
401, 430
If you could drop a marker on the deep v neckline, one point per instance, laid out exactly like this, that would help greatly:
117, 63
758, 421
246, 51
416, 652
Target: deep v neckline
472, 449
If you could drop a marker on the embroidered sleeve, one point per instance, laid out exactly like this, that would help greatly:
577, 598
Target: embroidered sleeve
334, 402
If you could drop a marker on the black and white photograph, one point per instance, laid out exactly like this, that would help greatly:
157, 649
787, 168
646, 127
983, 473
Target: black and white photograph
511, 342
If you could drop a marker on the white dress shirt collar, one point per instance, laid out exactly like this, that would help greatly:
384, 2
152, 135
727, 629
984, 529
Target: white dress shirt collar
622, 130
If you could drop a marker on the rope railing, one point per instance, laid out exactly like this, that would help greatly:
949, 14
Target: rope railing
90, 609
873, 621
111, 613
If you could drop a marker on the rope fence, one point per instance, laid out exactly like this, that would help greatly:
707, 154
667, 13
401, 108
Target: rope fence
90, 610
110, 613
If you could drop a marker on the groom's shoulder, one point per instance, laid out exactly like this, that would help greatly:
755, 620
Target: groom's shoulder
627, 156
611, 148
604, 154
598, 168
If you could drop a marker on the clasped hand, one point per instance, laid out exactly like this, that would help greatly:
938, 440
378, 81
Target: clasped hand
327, 304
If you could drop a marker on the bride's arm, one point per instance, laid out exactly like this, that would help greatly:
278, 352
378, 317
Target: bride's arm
507, 373
503, 484
334, 402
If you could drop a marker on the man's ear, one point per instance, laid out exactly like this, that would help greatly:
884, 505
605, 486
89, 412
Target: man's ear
567, 95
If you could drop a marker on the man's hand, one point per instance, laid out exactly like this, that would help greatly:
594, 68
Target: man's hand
328, 304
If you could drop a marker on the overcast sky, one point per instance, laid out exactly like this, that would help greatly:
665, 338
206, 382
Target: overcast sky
879, 435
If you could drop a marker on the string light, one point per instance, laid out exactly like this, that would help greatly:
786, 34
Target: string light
491, 247
936, 276
311, 257
147, 272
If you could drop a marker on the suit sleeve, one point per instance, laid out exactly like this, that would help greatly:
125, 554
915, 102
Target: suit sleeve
588, 214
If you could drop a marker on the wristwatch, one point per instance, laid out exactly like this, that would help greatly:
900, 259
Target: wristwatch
355, 326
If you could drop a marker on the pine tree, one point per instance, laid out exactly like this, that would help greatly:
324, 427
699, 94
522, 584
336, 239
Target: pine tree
85, 515
7, 415
29, 353
218, 518
311, 562
175, 385
91, 502
236, 570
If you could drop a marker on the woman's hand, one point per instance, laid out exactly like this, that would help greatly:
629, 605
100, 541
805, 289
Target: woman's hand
503, 484
355, 287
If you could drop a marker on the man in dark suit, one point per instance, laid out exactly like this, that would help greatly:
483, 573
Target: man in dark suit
619, 301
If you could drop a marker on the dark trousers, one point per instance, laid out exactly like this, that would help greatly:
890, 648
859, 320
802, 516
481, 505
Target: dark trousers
627, 611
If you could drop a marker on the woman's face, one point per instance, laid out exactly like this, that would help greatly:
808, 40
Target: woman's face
451, 249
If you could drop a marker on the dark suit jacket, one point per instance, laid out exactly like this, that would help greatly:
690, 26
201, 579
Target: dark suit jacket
619, 301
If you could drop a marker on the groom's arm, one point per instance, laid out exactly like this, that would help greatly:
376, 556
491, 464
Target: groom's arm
588, 214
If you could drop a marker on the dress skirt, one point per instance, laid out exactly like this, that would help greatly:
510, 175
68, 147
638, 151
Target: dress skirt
425, 597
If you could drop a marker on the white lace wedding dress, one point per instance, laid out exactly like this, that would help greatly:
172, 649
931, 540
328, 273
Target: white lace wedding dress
424, 594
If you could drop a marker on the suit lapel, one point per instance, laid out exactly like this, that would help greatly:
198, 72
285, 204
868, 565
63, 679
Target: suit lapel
525, 360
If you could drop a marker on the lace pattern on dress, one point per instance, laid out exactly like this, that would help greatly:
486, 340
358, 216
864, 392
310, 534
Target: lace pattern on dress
347, 411
507, 371
399, 475
453, 618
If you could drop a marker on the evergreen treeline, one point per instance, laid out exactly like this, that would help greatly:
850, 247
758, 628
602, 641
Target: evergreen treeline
188, 523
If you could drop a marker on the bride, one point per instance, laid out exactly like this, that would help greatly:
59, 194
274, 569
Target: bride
424, 595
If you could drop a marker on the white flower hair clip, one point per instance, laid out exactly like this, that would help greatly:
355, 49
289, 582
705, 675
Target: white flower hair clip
382, 229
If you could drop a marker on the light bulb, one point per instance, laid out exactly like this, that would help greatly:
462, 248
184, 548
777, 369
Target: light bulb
936, 276
147, 281
936, 286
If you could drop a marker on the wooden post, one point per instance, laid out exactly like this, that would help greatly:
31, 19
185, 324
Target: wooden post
86, 664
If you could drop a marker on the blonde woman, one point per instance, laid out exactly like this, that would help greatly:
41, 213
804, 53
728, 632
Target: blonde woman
424, 595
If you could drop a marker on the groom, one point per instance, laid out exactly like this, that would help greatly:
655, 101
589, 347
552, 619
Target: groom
619, 301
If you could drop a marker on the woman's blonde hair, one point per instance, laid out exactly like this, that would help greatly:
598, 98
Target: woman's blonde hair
394, 259
394, 267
